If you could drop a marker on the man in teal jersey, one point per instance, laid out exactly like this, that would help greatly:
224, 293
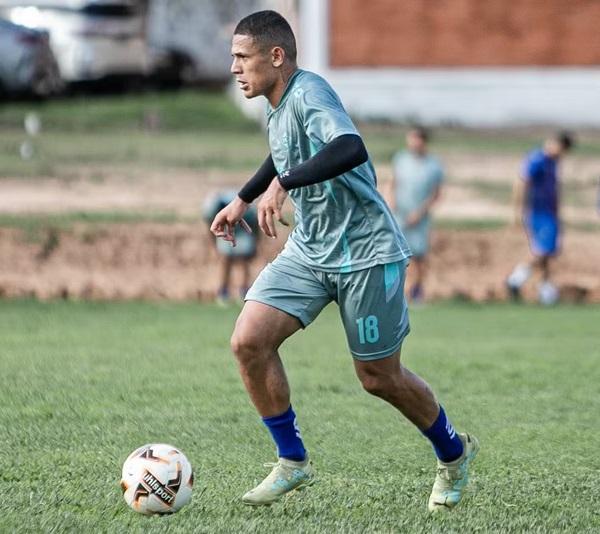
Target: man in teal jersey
346, 247
416, 187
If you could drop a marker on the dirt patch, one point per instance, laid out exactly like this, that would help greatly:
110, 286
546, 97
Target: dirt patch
473, 264
90, 189
177, 262
102, 188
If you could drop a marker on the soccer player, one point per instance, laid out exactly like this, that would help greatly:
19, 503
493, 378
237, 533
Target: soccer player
346, 246
415, 189
244, 251
537, 201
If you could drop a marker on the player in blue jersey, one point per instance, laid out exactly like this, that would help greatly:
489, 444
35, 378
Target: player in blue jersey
537, 198
345, 247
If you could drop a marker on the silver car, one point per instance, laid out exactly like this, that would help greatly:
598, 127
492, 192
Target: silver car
27, 64
91, 39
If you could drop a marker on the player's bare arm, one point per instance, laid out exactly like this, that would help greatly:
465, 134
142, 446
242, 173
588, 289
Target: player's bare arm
416, 216
519, 196
389, 193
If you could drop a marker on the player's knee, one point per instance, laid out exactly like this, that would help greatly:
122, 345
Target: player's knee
377, 384
245, 344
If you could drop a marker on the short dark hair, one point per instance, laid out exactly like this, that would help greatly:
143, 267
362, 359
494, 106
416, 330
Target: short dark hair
421, 132
268, 28
566, 139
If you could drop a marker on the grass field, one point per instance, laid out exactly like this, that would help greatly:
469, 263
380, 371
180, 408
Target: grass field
198, 129
83, 384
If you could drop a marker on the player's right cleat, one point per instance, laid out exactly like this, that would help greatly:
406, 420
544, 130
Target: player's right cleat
286, 476
548, 293
452, 477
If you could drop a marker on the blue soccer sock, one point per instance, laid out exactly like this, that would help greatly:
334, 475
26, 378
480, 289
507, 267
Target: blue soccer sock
445, 440
286, 435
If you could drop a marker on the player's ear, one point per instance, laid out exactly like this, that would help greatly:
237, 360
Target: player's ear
277, 56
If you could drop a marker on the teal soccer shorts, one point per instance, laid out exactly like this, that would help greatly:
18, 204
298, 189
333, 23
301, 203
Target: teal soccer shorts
371, 301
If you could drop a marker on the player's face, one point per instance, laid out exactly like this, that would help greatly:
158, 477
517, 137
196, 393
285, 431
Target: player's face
415, 142
252, 67
553, 148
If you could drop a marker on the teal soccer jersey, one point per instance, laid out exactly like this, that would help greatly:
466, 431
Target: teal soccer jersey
416, 179
342, 224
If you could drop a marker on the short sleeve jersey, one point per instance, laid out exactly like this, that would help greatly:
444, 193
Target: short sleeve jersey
342, 224
541, 173
416, 178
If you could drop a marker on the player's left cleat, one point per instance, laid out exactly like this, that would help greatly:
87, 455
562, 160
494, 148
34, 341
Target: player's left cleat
286, 476
452, 477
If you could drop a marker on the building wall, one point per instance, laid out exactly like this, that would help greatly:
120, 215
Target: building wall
374, 85
443, 33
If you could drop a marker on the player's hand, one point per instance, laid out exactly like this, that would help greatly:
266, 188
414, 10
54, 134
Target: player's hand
413, 218
269, 208
224, 222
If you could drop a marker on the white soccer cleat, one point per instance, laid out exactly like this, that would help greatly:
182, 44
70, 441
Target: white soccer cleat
452, 477
286, 476
548, 293
516, 279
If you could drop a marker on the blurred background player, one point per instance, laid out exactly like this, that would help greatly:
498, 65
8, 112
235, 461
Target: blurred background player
537, 199
242, 254
416, 187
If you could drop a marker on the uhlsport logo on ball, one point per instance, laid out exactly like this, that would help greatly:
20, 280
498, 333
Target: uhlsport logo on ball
157, 479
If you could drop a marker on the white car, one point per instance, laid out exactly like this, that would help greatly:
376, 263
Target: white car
27, 64
91, 39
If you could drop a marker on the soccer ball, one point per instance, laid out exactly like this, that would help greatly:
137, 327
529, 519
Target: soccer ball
157, 479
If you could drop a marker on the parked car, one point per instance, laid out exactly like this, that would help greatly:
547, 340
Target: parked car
91, 39
171, 68
27, 64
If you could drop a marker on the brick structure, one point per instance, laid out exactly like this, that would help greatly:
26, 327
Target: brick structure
464, 33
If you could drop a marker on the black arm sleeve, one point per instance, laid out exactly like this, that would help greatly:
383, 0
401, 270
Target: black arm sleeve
336, 157
258, 184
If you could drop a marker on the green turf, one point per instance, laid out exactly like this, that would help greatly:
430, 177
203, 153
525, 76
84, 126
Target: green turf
189, 110
199, 130
35, 223
83, 384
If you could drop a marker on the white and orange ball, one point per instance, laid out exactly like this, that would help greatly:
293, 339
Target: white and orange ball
157, 479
